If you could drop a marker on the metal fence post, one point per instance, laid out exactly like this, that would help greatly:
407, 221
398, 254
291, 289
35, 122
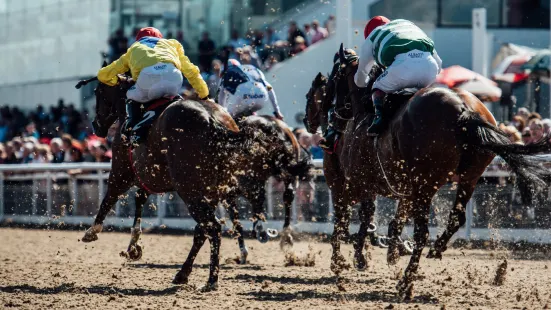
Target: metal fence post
74, 194
49, 187
161, 209
34, 193
469, 222
101, 187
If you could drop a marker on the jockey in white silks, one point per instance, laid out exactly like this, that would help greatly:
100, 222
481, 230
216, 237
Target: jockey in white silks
243, 90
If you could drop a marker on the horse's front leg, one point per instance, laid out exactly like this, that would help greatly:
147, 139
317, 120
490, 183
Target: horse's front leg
134, 251
395, 228
115, 188
238, 228
288, 198
366, 214
340, 232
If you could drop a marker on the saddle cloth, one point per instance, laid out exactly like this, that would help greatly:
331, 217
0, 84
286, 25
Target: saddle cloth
150, 111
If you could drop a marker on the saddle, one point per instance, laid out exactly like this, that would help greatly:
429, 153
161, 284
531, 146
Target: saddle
144, 119
394, 101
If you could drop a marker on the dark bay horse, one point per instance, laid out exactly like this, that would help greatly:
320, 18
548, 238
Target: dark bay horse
285, 161
439, 135
194, 148
317, 96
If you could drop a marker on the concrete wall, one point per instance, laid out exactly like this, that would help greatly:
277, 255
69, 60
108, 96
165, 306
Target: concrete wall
45, 40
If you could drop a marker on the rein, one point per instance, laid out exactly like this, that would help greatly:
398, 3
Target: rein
392, 190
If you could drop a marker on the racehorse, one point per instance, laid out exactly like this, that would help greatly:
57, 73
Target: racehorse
194, 148
318, 95
286, 162
438, 136
280, 162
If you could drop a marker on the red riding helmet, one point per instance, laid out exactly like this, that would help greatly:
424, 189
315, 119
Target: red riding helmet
148, 32
374, 23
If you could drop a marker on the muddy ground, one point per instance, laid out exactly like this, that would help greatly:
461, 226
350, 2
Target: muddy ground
51, 269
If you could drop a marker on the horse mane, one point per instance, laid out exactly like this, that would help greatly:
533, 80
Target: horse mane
290, 136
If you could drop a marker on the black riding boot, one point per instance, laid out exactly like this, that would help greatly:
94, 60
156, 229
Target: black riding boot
330, 134
133, 115
379, 123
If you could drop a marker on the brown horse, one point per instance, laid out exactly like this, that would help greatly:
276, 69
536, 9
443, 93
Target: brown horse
280, 162
439, 135
194, 148
319, 94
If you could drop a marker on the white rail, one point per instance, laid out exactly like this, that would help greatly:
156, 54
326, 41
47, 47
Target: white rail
73, 172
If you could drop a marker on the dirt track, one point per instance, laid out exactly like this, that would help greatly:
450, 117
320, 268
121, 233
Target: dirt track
52, 269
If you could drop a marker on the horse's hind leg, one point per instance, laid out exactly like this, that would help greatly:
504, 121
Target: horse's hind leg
342, 221
199, 238
116, 186
471, 167
134, 251
288, 198
395, 228
207, 225
366, 214
238, 227
420, 235
456, 220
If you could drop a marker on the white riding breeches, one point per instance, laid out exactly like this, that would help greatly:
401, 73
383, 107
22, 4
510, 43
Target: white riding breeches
413, 69
248, 97
154, 82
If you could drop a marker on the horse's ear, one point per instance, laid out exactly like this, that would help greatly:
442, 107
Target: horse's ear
341, 54
104, 64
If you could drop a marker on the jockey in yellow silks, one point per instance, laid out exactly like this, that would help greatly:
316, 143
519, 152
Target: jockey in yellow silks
157, 65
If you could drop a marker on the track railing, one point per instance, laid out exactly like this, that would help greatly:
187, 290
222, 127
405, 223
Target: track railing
70, 193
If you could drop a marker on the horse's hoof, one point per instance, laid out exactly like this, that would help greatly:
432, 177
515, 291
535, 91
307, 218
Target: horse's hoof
262, 237
360, 263
339, 264
405, 290
243, 259
180, 278
286, 241
382, 242
134, 252
434, 254
91, 233
406, 248
372, 228
272, 233
392, 255
209, 287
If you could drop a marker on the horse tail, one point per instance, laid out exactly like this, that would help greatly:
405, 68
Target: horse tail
531, 176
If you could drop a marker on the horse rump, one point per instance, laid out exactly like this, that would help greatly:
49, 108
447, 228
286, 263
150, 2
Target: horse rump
532, 177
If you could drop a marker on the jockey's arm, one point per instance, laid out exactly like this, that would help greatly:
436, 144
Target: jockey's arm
191, 72
108, 75
271, 94
273, 100
366, 62
438, 60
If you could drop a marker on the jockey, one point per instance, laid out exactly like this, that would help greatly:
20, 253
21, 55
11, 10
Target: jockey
156, 64
244, 90
406, 53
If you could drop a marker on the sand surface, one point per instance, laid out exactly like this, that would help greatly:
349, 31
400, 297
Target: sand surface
42, 269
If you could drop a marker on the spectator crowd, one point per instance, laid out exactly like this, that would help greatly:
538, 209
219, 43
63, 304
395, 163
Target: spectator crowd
61, 134
262, 49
